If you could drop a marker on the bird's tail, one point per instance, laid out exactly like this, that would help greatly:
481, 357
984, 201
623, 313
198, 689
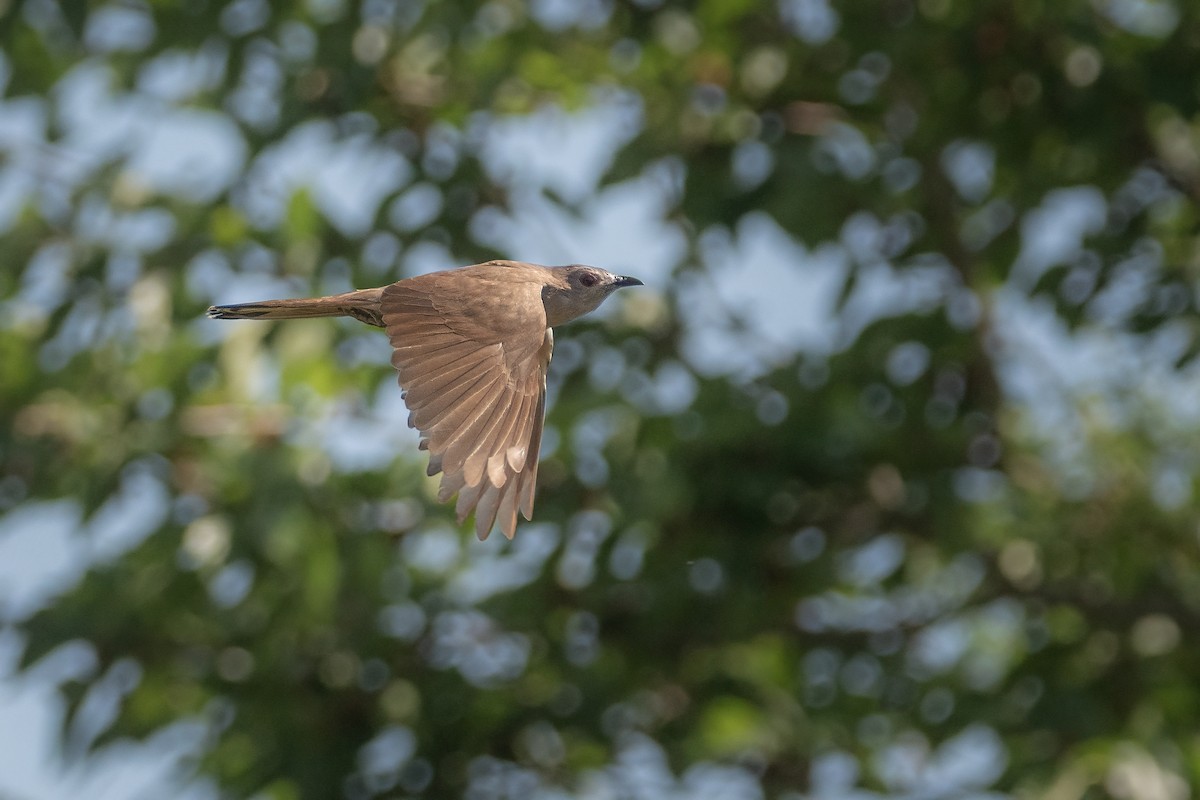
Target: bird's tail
363, 304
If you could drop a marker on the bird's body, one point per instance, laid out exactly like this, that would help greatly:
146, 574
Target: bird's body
471, 346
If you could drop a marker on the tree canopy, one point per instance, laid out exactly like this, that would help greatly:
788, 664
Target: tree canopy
883, 486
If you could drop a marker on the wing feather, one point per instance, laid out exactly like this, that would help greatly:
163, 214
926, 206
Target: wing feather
468, 497
427, 341
473, 373
450, 486
461, 413
515, 449
506, 515
427, 417
409, 354
497, 465
472, 451
470, 436
426, 387
449, 381
529, 473
485, 510
433, 363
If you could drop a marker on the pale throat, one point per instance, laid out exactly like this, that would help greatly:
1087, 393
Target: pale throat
564, 305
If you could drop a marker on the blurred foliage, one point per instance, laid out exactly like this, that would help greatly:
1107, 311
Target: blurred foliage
876, 567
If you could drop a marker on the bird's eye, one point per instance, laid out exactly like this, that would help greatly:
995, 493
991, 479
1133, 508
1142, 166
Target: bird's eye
588, 279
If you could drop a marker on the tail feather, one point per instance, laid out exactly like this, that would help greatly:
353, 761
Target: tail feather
363, 305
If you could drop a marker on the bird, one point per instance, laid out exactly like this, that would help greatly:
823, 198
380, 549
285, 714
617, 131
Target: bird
471, 347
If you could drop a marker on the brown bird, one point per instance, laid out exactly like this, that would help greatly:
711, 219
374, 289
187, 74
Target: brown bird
472, 346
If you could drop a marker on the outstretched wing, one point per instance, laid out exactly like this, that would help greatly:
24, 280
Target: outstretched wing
472, 358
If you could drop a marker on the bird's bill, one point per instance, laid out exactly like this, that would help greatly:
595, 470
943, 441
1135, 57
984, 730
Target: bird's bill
625, 280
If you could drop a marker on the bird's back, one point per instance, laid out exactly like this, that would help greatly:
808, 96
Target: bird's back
506, 273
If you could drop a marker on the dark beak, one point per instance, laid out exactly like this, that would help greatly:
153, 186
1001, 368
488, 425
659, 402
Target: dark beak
625, 280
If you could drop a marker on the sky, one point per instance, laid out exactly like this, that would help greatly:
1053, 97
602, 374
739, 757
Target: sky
780, 293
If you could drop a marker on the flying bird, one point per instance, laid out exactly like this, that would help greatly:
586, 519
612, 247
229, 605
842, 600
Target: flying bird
471, 346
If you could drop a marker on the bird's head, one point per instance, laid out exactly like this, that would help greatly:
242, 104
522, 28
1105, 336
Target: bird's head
578, 289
